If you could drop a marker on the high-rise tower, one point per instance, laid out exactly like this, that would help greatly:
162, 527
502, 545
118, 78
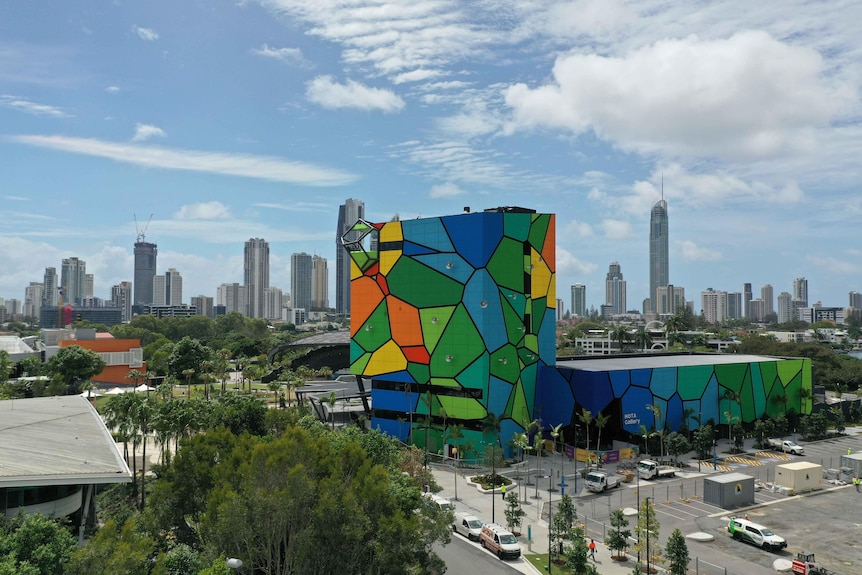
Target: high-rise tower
300, 281
319, 283
145, 271
168, 289
348, 214
615, 289
579, 300
73, 280
658, 250
800, 292
256, 275
50, 296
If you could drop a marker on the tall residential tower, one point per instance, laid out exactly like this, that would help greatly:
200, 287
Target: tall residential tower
256, 275
145, 271
658, 251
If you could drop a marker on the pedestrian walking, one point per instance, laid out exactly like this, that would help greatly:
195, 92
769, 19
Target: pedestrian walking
858, 483
593, 549
503, 492
849, 451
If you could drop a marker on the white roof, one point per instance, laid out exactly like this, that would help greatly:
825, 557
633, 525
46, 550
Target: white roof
56, 441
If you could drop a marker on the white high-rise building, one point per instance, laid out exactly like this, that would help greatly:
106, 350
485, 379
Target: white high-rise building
256, 275
33, 300
713, 305
121, 297
785, 307
73, 280
800, 292
669, 300
615, 289
203, 305
855, 299
273, 301
319, 283
168, 289
768, 297
50, 295
233, 297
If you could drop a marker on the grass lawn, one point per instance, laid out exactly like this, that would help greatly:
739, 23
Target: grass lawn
540, 562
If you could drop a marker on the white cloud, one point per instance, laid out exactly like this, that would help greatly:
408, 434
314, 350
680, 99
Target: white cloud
416, 76
580, 229
325, 92
617, 229
288, 55
745, 96
16, 199
447, 190
570, 265
112, 89
144, 132
203, 211
147, 34
588, 17
32, 108
244, 165
691, 252
306, 207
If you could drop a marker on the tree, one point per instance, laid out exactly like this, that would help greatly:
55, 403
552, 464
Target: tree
618, 537
621, 335
188, 354
576, 554
601, 422
647, 531
703, 438
656, 410
74, 364
34, 544
677, 553
114, 550
643, 340
514, 512
586, 417
677, 444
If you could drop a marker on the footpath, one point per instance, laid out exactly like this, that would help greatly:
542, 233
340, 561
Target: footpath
534, 528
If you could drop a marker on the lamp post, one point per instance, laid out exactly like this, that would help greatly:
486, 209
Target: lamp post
550, 517
577, 428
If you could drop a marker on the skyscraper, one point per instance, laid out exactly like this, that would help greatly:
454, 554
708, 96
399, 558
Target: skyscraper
785, 307
145, 271
168, 289
747, 296
767, 295
233, 297
121, 297
33, 300
300, 280
256, 275
659, 274
855, 299
579, 300
615, 288
50, 296
800, 292
348, 213
72, 280
713, 305
319, 283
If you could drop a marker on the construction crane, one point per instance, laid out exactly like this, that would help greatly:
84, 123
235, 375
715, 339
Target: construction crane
142, 231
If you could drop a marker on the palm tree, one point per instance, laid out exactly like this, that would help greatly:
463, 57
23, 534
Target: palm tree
142, 413
734, 397
601, 421
188, 373
805, 395
222, 365
330, 400
674, 324
586, 418
274, 386
655, 408
136, 375
621, 334
645, 434
643, 339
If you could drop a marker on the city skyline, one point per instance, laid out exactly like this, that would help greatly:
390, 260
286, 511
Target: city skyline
259, 119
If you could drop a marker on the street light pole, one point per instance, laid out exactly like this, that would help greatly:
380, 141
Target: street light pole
550, 517
647, 536
493, 480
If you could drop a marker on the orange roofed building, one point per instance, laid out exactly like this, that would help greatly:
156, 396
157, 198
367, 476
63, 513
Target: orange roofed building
120, 355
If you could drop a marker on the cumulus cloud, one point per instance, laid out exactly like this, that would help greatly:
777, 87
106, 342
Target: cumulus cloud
288, 55
580, 229
147, 34
749, 95
691, 252
567, 264
244, 165
32, 108
617, 229
144, 132
447, 190
326, 92
203, 211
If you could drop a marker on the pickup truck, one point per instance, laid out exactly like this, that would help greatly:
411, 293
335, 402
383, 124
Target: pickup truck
649, 469
786, 445
598, 481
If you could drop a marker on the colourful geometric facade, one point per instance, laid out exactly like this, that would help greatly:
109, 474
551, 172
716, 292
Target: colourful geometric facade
452, 318
686, 389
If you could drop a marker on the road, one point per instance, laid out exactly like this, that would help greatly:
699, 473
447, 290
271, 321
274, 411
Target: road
462, 556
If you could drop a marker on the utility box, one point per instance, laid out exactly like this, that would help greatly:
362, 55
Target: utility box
799, 476
729, 490
853, 464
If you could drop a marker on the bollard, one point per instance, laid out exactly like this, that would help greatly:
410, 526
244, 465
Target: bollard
530, 533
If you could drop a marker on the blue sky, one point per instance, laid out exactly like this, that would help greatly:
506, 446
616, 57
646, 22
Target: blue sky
233, 120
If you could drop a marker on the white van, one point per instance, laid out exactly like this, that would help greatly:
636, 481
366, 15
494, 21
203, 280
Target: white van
745, 530
440, 501
501, 542
467, 525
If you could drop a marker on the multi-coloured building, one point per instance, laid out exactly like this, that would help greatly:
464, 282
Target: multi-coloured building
453, 321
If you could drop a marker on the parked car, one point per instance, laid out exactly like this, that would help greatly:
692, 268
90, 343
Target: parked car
498, 540
467, 525
786, 446
754, 533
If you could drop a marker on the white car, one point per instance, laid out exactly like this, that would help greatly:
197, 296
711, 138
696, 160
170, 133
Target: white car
467, 525
745, 530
